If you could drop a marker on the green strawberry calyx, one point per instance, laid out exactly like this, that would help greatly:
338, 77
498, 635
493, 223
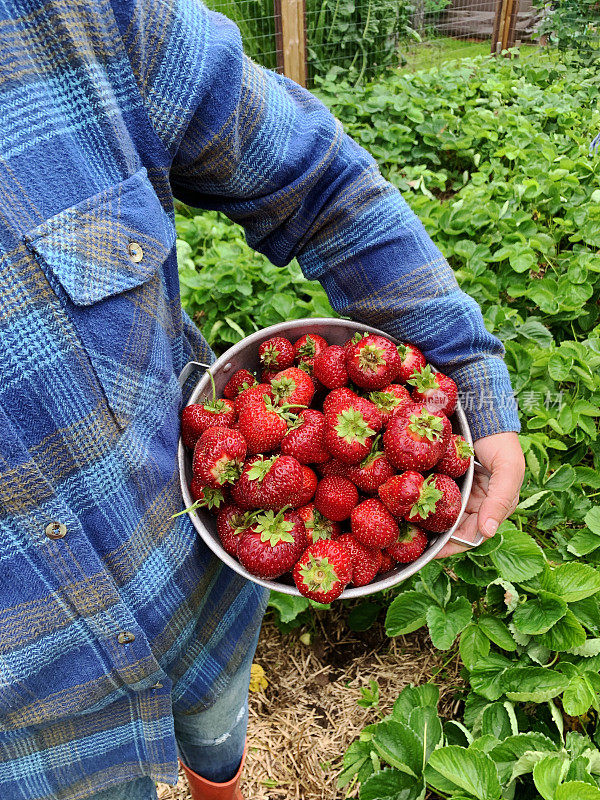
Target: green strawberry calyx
274, 528
270, 356
211, 498
227, 470
370, 357
353, 427
424, 380
408, 531
403, 350
463, 448
372, 455
385, 401
358, 336
428, 498
308, 349
283, 387
426, 425
259, 469
282, 410
318, 574
321, 527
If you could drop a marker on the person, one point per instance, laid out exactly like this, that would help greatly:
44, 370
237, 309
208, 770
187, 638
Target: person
124, 644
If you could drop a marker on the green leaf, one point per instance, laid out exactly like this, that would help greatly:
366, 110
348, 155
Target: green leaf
288, 606
446, 623
578, 696
535, 684
454, 768
391, 784
583, 542
495, 720
424, 721
407, 613
497, 631
363, 616
502, 591
399, 746
576, 790
539, 614
412, 697
592, 520
507, 753
562, 479
486, 677
548, 773
519, 558
566, 634
473, 646
572, 581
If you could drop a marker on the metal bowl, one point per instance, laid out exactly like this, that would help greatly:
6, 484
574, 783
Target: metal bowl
244, 355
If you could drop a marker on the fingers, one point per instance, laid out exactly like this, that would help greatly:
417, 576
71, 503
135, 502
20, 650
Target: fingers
505, 461
467, 530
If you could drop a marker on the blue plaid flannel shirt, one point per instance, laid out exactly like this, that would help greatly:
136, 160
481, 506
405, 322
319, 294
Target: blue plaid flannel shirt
112, 614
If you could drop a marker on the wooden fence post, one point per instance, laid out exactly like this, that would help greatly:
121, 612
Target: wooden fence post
503, 35
290, 26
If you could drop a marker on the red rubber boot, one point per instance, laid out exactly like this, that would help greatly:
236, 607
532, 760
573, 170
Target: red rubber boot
202, 789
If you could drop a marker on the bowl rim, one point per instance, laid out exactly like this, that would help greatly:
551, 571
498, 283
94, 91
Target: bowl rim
388, 580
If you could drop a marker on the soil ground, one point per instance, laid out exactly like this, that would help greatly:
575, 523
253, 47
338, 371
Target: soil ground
302, 723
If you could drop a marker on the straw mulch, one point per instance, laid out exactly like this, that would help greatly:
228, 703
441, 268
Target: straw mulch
302, 723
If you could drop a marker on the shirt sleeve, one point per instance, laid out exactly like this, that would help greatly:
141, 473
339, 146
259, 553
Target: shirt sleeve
267, 153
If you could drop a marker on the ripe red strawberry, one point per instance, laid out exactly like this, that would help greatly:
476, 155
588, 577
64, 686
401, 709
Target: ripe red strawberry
387, 562
240, 380
272, 544
276, 353
426, 501
307, 347
263, 425
372, 471
349, 437
368, 409
218, 456
232, 521
446, 508
309, 485
247, 491
255, 394
372, 524
337, 400
335, 497
401, 492
330, 367
411, 360
317, 526
415, 438
456, 458
390, 399
293, 387
373, 362
437, 391
323, 571
409, 545
197, 417
365, 560
334, 467
305, 439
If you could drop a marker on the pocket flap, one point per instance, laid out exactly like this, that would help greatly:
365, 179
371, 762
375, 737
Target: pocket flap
108, 243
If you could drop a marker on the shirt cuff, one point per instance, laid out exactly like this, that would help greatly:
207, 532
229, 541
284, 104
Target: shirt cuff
487, 397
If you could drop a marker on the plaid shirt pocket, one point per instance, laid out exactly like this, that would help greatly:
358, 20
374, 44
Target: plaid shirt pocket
103, 258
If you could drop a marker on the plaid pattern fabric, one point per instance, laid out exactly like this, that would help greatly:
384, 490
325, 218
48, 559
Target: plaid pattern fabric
108, 109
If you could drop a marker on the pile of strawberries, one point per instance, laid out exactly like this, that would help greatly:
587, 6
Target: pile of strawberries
330, 467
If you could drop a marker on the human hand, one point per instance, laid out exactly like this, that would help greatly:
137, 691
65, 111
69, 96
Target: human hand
493, 498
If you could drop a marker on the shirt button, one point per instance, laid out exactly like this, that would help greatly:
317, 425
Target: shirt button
125, 637
135, 252
56, 530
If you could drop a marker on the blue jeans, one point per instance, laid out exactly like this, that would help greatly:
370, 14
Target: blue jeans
211, 743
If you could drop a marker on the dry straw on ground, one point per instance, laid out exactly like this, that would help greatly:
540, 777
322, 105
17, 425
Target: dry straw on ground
303, 722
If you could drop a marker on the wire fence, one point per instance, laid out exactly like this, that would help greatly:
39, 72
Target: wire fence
359, 39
